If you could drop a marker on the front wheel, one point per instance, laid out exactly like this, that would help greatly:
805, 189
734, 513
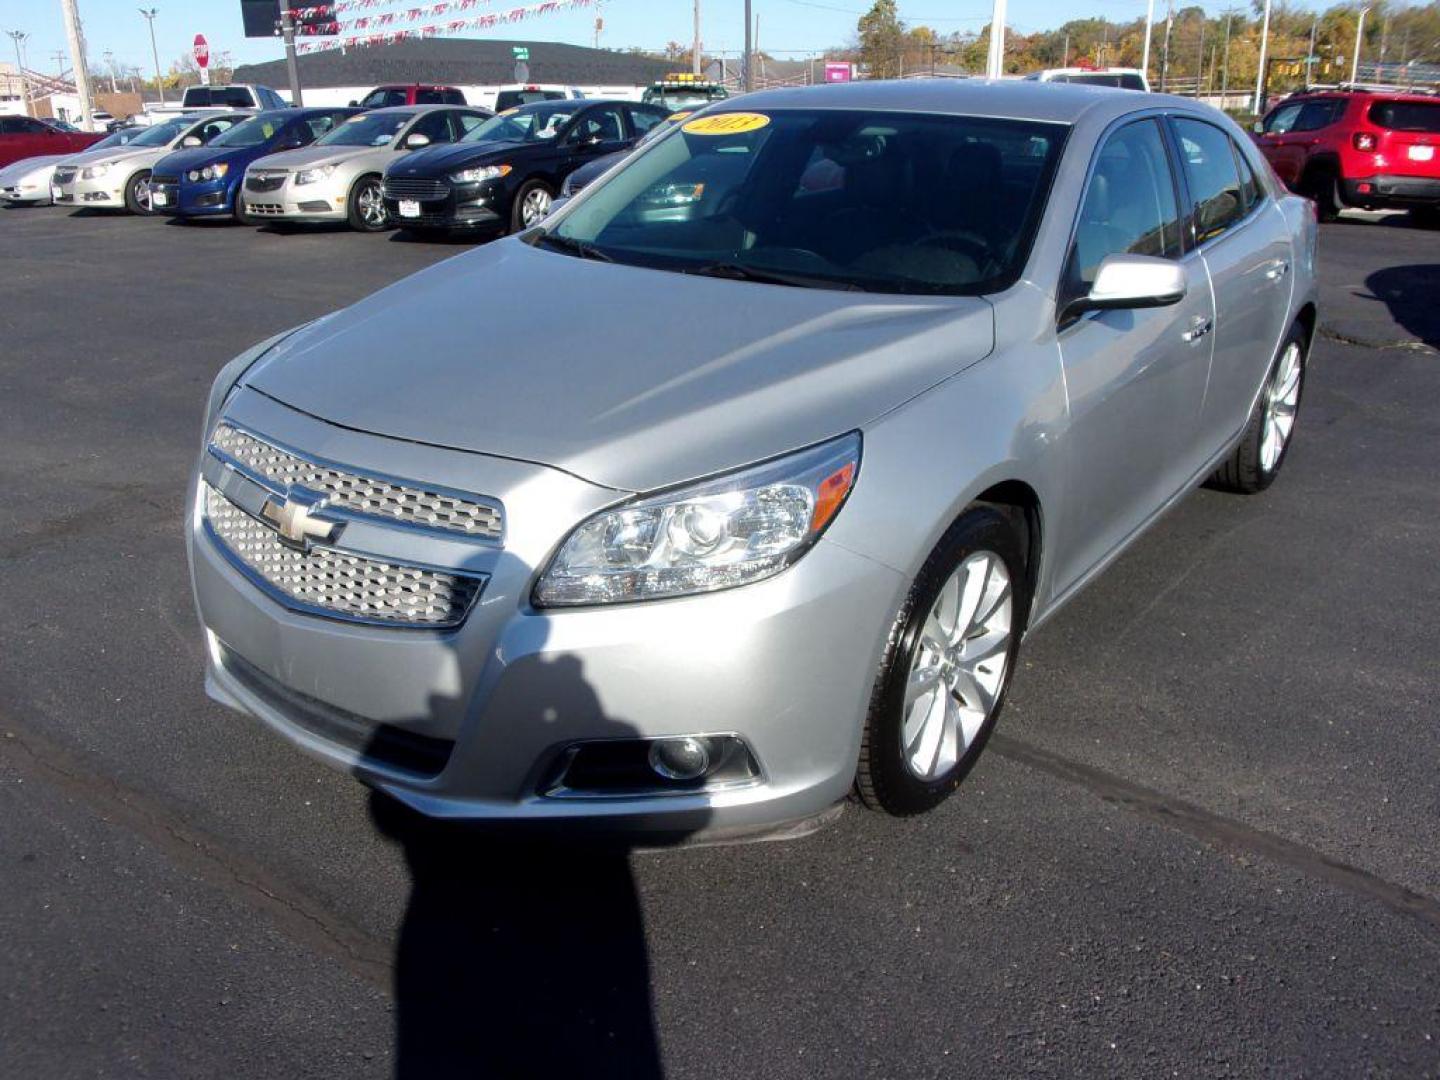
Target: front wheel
532, 203
241, 217
1254, 463
367, 211
137, 194
949, 660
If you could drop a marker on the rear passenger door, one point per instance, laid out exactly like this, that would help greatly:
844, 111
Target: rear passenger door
1244, 240
1135, 377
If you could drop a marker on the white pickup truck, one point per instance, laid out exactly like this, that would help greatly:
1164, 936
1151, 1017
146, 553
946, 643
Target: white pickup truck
240, 96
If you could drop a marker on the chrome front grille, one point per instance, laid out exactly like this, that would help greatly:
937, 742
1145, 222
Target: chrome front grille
327, 581
156, 179
359, 494
65, 175
415, 187
262, 182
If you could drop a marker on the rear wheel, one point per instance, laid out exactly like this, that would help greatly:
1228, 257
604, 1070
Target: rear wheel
366, 204
947, 666
1323, 186
1256, 459
137, 194
532, 203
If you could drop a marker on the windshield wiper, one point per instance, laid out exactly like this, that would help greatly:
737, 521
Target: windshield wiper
574, 247
737, 272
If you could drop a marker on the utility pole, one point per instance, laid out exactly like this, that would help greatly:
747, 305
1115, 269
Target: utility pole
695, 48
292, 66
1065, 57
1165, 49
1145, 55
150, 14
1310, 56
1225, 62
1359, 36
1200, 58
995, 61
1260, 68
110, 66
76, 36
19, 36
749, 51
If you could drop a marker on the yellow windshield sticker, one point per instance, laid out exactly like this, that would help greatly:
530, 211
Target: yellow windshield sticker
676, 117
734, 123
269, 130
510, 112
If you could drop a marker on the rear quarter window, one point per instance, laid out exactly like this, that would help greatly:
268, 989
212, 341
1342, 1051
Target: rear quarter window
1406, 115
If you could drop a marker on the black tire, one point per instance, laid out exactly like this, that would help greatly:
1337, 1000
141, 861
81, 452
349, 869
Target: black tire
1245, 471
358, 221
517, 205
241, 217
883, 780
1426, 217
1323, 186
137, 194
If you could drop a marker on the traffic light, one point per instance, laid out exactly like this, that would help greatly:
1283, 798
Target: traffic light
262, 17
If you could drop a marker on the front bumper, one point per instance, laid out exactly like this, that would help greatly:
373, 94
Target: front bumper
1392, 191
107, 191
187, 198
471, 723
36, 193
481, 207
324, 201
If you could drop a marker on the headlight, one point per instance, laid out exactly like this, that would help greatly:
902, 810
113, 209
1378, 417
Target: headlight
314, 176
94, 172
210, 172
716, 534
476, 176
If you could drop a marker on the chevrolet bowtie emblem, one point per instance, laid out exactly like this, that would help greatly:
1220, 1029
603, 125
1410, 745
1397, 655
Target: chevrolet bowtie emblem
295, 523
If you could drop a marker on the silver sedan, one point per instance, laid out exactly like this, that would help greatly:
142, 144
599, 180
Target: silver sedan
699, 522
337, 177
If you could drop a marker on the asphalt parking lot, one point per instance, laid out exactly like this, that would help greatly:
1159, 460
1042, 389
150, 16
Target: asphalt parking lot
1205, 843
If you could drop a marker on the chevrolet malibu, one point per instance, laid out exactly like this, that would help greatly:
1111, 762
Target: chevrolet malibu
713, 569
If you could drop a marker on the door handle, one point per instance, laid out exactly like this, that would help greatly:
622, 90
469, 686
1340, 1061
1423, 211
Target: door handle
1277, 270
1200, 325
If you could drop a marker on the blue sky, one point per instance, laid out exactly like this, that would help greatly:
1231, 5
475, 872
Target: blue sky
786, 26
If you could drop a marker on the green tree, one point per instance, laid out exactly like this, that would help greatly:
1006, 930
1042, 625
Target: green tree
882, 40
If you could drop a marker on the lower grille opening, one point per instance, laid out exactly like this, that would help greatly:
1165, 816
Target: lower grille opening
384, 744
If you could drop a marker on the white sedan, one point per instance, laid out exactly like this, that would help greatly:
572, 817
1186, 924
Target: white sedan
27, 182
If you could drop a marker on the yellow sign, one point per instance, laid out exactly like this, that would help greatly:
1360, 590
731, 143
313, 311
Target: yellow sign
676, 117
510, 112
733, 123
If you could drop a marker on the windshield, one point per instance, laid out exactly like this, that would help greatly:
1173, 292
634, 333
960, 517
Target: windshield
532, 125
885, 202
367, 129
253, 132
123, 137
161, 134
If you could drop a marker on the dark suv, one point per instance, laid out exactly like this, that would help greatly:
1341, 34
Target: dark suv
1366, 148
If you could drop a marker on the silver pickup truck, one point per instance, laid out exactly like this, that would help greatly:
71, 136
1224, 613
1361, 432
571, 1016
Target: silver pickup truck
237, 97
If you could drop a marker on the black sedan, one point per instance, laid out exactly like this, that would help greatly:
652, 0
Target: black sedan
504, 174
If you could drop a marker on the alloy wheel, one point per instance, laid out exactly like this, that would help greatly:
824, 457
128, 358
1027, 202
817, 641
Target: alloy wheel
372, 205
1282, 399
142, 195
535, 206
959, 665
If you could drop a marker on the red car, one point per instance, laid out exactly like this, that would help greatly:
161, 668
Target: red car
1366, 148
23, 137
386, 97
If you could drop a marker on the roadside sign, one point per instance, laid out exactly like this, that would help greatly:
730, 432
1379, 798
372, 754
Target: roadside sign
838, 72
202, 57
520, 52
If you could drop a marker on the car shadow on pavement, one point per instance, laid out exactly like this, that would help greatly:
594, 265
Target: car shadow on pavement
522, 951
1410, 292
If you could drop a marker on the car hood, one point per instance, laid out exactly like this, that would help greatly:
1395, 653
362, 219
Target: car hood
433, 160
12, 174
113, 153
313, 156
198, 157
628, 377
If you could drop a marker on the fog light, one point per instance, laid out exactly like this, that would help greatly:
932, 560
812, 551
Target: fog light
680, 759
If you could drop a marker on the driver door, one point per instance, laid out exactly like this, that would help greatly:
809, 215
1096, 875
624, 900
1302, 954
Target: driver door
1135, 377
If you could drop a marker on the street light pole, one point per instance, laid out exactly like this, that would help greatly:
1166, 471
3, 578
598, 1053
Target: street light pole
19, 36
154, 52
749, 46
1145, 54
995, 62
1260, 70
1359, 36
695, 47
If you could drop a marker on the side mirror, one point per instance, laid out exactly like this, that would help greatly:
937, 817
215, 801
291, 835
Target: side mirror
416, 140
353, 103
1131, 281
191, 140
1258, 127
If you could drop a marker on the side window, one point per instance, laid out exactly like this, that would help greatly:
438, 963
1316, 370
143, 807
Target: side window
1214, 183
8, 126
465, 122
602, 124
429, 97
1130, 206
644, 120
373, 100
1250, 190
213, 128
1282, 119
1315, 115
453, 97
319, 125
434, 126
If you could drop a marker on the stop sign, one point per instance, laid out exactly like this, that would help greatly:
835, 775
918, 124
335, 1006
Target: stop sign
202, 51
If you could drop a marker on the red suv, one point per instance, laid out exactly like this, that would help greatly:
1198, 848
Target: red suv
1368, 148
387, 97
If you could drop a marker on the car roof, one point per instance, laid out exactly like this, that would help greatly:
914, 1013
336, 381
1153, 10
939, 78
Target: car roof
1012, 99
403, 110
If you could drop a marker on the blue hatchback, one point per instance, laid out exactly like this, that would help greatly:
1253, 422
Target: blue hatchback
203, 181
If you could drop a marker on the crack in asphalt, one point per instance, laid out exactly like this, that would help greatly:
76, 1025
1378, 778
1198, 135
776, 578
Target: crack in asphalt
299, 917
1223, 832
1330, 334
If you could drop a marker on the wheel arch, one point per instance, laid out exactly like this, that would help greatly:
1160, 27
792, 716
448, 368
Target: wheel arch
1308, 317
1021, 503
